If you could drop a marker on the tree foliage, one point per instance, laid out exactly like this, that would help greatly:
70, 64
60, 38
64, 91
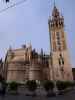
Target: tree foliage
48, 85
62, 85
31, 85
13, 86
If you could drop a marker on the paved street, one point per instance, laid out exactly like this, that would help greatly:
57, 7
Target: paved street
67, 96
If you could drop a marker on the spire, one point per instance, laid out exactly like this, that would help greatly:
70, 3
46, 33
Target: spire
54, 3
10, 48
41, 51
30, 45
24, 46
55, 12
56, 20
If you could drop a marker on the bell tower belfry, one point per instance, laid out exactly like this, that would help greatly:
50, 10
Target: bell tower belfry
61, 67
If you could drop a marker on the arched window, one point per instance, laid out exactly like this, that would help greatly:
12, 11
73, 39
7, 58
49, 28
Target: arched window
61, 60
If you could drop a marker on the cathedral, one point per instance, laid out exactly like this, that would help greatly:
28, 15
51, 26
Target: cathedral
26, 63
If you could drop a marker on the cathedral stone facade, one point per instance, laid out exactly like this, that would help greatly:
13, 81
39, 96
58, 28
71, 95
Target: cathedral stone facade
27, 64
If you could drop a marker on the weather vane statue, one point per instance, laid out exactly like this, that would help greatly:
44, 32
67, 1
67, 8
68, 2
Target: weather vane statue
54, 2
7, 1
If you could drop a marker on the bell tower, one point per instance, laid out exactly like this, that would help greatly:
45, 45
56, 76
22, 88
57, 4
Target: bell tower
61, 67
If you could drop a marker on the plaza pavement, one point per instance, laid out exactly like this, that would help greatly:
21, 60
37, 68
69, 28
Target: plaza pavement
67, 96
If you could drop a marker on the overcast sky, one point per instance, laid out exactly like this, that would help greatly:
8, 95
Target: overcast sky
29, 22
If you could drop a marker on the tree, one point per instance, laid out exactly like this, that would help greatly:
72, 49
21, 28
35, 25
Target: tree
1, 78
13, 86
70, 84
4, 86
48, 85
31, 85
61, 85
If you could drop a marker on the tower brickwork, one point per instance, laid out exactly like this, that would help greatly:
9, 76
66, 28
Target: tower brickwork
61, 67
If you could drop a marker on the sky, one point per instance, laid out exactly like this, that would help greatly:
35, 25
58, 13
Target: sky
28, 22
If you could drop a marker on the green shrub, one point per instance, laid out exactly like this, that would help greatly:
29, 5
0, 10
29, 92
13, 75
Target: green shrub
61, 85
48, 85
31, 85
70, 84
13, 86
